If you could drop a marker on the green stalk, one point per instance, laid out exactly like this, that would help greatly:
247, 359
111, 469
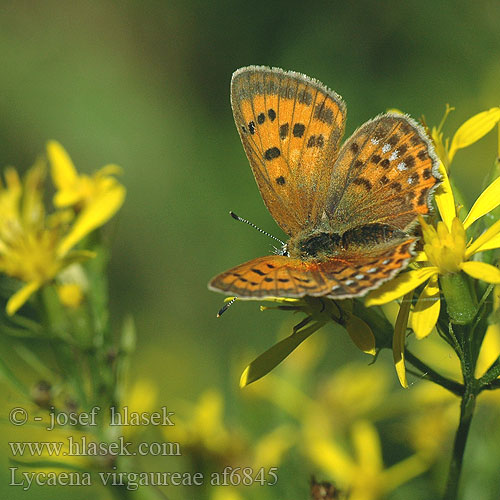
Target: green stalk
462, 309
466, 412
467, 406
461, 304
429, 374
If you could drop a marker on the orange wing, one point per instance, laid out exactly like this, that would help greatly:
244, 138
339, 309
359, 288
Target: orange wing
290, 126
338, 278
385, 173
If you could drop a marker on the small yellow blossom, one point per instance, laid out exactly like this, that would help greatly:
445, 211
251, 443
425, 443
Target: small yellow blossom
70, 295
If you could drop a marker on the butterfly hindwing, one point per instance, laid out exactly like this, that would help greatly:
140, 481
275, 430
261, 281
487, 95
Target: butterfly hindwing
385, 173
290, 126
279, 276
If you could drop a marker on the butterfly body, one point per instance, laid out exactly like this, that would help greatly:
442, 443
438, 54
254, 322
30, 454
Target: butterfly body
348, 211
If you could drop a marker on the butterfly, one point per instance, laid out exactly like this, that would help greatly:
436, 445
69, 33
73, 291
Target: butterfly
349, 211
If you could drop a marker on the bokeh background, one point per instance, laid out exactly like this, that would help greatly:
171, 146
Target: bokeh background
145, 84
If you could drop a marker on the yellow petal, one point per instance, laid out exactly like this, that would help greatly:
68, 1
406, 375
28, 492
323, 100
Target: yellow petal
21, 296
426, 310
482, 271
487, 201
473, 129
93, 216
445, 200
361, 334
420, 257
63, 171
403, 471
110, 169
403, 283
330, 456
67, 197
268, 360
488, 240
490, 350
367, 446
490, 245
398, 341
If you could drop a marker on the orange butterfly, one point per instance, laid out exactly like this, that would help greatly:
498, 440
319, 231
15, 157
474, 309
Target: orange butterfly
348, 211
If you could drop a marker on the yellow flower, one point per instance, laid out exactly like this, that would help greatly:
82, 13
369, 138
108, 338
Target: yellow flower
446, 248
80, 191
362, 474
204, 431
35, 248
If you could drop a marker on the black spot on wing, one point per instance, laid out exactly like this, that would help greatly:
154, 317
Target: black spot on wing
298, 129
272, 153
284, 131
361, 181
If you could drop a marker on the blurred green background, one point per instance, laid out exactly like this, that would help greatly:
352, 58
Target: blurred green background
146, 85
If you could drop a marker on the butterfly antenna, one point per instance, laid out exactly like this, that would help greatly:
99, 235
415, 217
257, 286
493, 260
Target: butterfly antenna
238, 218
226, 306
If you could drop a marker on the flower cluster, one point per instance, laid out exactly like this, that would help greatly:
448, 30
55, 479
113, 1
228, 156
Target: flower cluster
36, 247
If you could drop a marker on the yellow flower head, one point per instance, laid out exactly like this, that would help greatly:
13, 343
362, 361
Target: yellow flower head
445, 248
34, 247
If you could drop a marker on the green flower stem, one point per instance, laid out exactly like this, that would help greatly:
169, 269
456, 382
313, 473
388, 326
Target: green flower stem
495, 384
467, 407
60, 340
461, 304
466, 411
429, 374
492, 374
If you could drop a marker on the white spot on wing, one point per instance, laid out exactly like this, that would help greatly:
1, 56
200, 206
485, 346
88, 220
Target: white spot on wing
372, 270
386, 261
374, 141
394, 155
402, 166
386, 148
359, 276
349, 282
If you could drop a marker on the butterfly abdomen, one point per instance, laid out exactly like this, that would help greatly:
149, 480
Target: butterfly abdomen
322, 245
315, 245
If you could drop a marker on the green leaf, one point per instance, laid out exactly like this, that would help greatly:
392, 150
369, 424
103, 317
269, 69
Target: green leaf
48, 464
276, 354
9, 376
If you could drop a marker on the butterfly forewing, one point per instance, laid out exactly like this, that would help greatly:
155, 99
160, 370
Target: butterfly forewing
290, 127
385, 173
